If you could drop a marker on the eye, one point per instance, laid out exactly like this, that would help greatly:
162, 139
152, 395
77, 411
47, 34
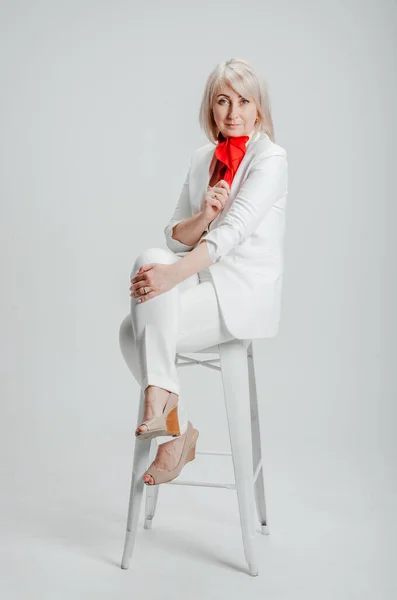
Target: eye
224, 100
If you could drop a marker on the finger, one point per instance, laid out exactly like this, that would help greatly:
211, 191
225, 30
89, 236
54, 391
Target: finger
222, 192
146, 297
144, 268
223, 183
216, 203
213, 202
219, 198
137, 278
140, 276
139, 289
138, 284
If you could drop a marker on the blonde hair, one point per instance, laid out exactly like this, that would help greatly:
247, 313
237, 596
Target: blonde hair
242, 77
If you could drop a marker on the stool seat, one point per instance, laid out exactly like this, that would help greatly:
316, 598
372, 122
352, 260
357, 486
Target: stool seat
215, 349
235, 361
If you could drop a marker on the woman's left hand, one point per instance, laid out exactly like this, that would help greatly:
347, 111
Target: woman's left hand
154, 279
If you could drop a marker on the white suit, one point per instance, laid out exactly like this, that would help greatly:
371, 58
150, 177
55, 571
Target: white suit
239, 295
245, 241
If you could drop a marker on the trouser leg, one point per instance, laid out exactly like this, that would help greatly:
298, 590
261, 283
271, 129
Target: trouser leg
184, 319
155, 325
148, 334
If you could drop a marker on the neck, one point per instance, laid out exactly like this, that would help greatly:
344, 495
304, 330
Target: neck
250, 136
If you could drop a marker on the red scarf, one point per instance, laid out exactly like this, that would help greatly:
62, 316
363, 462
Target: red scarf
230, 152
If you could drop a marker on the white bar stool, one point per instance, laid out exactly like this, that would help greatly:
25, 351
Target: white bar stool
236, 364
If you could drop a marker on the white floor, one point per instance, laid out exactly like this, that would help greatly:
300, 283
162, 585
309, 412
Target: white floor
332, 528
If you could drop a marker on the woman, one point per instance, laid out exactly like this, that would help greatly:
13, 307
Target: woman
221, 277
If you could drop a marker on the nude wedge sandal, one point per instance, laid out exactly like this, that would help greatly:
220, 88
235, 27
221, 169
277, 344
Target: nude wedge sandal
188, 454
165, 424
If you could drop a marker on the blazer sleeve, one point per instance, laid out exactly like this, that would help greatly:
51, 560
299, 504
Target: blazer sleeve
181, 212
265, 184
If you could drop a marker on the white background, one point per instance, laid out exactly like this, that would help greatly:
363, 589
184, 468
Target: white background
99, 115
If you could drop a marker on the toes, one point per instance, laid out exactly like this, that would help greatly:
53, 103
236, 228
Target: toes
141, 428
148, 479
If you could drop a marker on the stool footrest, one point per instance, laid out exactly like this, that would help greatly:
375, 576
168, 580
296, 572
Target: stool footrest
208, 365
229, 486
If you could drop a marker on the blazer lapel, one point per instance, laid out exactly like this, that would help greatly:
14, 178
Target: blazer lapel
236, 181
201, 177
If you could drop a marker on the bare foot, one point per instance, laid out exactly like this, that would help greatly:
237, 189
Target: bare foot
155, 400
168, 456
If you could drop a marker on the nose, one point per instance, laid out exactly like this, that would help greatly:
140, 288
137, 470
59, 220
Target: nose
233, 112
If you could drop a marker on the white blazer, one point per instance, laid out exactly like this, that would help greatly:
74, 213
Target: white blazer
245, 241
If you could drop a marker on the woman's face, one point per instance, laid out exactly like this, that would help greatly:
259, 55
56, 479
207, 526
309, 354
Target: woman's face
233, 114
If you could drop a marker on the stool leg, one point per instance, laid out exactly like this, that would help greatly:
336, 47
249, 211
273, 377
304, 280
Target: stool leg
140, 461
234, 369
256, 444
152, 491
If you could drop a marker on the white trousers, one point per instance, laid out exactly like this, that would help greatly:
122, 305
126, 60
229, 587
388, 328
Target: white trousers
184, 319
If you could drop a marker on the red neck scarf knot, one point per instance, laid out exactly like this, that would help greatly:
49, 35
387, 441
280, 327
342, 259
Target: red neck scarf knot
230, 151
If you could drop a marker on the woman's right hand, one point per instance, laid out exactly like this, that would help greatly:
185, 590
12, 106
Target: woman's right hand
215, 200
